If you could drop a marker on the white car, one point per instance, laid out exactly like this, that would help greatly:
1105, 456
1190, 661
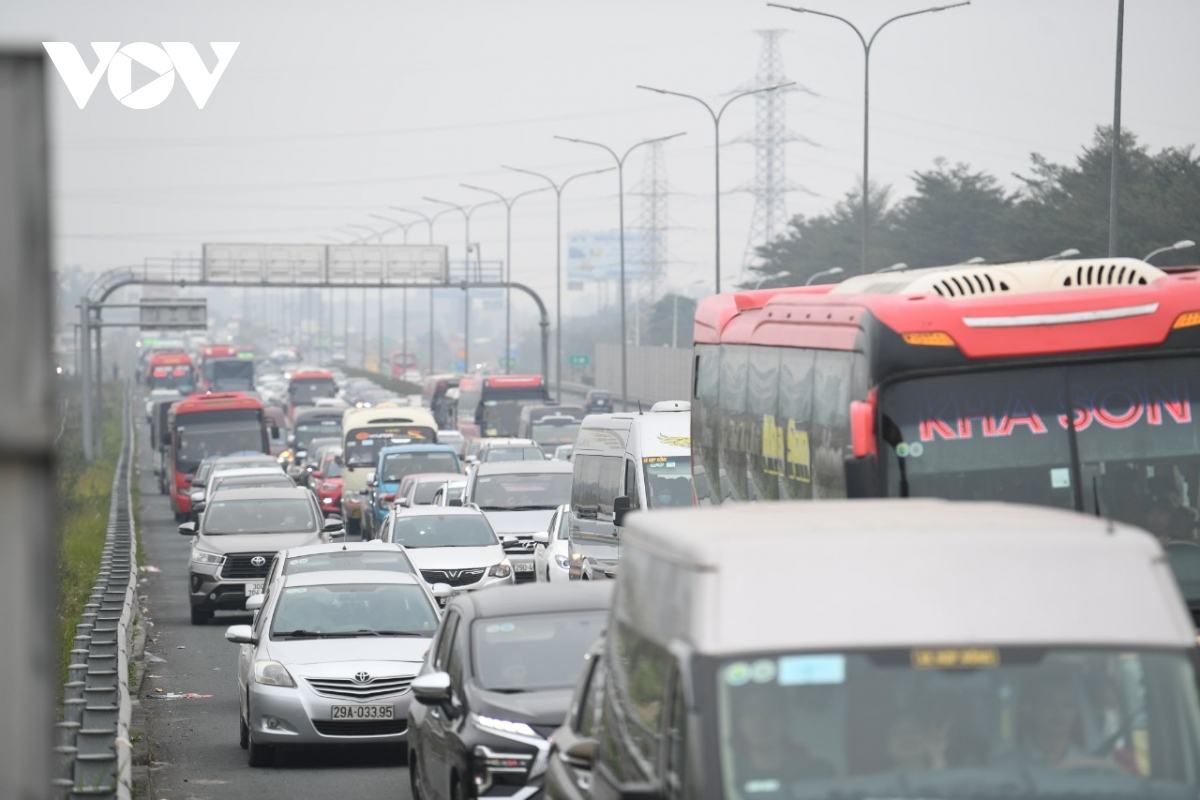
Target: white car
550, 549
449, 545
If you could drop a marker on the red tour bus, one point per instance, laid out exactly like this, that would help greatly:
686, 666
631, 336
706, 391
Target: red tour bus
306, 386
1067, 383
491, 405
403, 363
226, 368
210, 425
171, 371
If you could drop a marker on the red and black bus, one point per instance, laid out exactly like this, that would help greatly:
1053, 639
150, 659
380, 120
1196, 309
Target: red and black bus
1068, 383
306, 386
206, 425
171, 371
226, 368
491, 405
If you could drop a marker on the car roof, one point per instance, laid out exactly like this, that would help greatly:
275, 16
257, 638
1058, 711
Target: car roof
438, 511
426, 447
337, 547
535, 598
247, 472
265, 493
324, 577
523, 467
507, 441
432, 477
248, 459
897, 573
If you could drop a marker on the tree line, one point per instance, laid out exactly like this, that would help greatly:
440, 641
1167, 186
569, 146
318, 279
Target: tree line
957, 213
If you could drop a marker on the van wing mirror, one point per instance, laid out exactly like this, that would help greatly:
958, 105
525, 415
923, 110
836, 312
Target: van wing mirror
862, 476
581, 755
621, 507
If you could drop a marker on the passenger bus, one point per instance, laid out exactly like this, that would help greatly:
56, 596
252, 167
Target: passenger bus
364, 432
434, 389
491, 405
206, 425
306, 386
226, 368
403, 364
171, 371
1071, 384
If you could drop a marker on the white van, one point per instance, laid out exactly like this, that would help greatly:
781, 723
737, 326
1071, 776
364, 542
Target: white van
893, 648
623, 462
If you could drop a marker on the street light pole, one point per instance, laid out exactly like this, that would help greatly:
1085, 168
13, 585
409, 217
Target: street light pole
1183, 244
620, 160
466, 211
558, 190
716, 118
428, 220
866, 44
825, 273
508, 207
1115, 179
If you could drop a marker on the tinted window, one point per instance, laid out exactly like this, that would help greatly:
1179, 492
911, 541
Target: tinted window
525, 490
438, 530
533, 652
706, 421
736, 432
353, 608
274, 515
831, 422
635, 691
795, 403
766, 460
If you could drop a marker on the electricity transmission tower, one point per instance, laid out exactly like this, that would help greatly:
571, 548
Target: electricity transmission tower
651, 224
769, 138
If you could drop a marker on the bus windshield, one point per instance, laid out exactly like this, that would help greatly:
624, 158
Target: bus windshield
303, 391
978, 722
555, 430
198, 441
179, 378
1133, 452
362, 445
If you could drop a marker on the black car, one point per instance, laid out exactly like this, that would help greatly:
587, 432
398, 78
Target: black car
598, 402
496, 683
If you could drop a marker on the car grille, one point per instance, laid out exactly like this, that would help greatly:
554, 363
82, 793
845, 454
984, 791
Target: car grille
454, 577
238, 567
345, 689
377, 727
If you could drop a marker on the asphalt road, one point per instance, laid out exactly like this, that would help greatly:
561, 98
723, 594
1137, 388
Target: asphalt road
193, 742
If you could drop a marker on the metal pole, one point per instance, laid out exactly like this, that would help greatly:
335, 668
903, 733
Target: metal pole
85, 374
346, 324
624, 337
1115, 181
382, 371
866, 183
363, 323
99, 388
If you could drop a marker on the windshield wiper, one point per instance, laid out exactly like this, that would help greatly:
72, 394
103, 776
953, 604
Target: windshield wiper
301, 634
364, 632
509, 691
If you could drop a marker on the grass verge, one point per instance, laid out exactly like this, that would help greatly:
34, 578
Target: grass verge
84, 493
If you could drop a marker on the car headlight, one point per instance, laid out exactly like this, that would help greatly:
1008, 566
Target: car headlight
205, 557
562, 562
502, 725
501, 570
272, 673
327, 501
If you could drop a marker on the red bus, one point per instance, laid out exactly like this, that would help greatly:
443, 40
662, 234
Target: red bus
210, 425
171, 371
1068, 383
491, 405
306, 386
434, 389
403, 363
226, 368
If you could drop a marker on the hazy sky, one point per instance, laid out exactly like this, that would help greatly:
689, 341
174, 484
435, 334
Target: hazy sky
331, 111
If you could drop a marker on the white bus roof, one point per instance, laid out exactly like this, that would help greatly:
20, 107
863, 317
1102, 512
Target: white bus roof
657, 432
746, 578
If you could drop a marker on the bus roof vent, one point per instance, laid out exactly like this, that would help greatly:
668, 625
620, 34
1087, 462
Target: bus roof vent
958, 282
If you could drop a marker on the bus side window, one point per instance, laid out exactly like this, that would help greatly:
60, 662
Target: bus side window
736, 430
831, 422
706, 420
766, 459
795, 403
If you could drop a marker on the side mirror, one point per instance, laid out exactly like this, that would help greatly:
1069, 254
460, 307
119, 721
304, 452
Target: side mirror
432, 689
862, 476
454, 501
402, 502
316, 473
275, 432
621, 507
472, 459
255, 602
442, 591
333, 523
199, 506
371, 479
508, 539
241, 634
188, 529
291, 440
581, 755
196, 496
542, 537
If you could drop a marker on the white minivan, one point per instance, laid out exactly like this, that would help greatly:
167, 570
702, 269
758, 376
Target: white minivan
625, 462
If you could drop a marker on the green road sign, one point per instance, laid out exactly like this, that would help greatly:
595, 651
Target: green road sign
506, 362
578, 360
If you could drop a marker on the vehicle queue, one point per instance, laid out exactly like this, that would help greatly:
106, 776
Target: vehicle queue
915, 647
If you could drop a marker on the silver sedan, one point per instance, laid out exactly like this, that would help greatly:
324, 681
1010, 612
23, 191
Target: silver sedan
330, 659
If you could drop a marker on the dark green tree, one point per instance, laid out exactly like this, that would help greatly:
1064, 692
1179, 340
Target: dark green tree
671, 314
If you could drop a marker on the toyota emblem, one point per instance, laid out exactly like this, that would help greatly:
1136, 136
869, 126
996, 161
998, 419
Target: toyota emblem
258, 561
362, 677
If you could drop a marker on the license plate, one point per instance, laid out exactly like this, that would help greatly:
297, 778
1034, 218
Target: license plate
523, 566
361, 712
253, 589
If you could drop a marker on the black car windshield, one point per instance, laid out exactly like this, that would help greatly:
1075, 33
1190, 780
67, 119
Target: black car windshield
533, 652
384, 560
398, 466
353, 609
259, 515
963, 722
524, 490
443, 530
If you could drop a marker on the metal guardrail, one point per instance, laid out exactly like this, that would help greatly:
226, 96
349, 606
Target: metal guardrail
94, 752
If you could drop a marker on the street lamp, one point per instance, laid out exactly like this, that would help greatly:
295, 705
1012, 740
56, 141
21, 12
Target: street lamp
897, 267
1182, 244
403, 226
1070, 252
466, 211
428, 220
866, 44
620, 160
824, 274
716, 118
508, 202
558, 190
